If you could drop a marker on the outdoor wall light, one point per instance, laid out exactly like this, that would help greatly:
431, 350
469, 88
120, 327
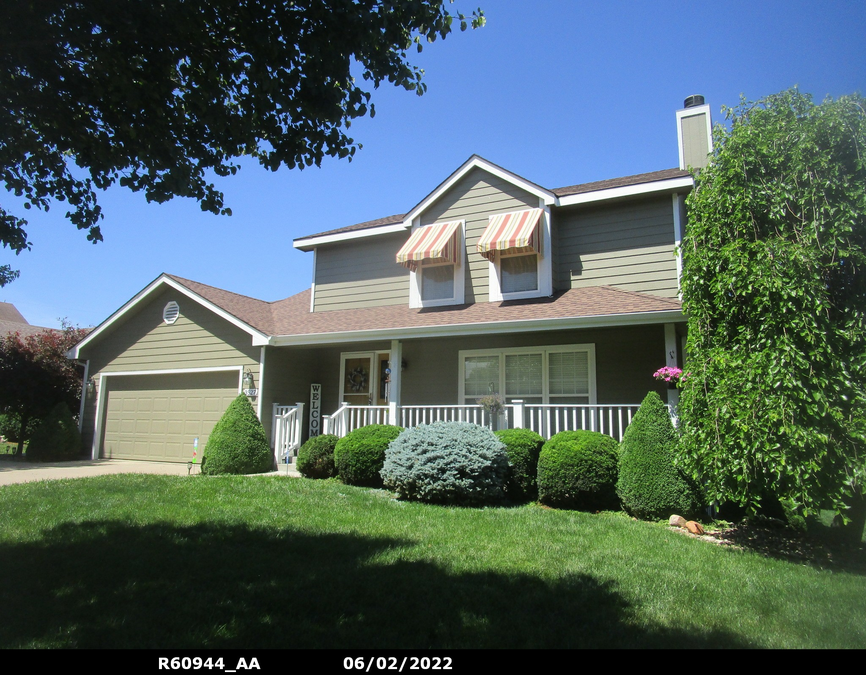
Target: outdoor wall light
91, 386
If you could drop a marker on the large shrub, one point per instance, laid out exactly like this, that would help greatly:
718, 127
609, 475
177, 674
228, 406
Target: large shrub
237, 443
649, 485
447, 463
774, 290
577, 470
316, 457
523, 447
360, 454
56, 438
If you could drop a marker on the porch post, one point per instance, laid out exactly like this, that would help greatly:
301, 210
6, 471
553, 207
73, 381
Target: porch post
396, 364
517, 422
392, 414
671, 360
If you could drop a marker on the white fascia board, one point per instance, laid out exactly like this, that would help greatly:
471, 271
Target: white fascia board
310, 243
476, 162
668, 185
144, 294
488, 328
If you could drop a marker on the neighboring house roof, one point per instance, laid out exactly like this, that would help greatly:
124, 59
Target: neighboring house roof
8, 312
12, 321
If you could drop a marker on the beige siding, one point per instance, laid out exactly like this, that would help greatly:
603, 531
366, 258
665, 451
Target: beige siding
361, 273
626, 357
695, 141
142, 341
474, 198
627, 245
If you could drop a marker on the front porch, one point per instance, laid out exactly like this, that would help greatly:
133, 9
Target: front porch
564, 380
545, 419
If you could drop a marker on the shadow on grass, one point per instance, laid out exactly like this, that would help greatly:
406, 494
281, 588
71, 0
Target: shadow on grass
104, 584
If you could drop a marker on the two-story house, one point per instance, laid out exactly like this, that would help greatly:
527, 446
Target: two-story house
563, 301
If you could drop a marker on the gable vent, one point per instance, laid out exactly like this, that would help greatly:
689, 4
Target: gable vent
171, 312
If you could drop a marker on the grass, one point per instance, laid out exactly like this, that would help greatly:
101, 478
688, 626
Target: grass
188, 562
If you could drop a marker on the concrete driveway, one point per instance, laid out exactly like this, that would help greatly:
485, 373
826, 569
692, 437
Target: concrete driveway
23, 472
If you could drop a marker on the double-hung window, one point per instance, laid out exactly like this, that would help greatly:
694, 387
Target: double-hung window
434, 254
552, 374
517, 244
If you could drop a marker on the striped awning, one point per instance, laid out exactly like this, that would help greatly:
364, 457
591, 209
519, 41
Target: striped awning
434, 243
516, 232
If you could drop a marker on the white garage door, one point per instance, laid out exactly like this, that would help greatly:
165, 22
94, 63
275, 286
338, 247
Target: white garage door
158, 417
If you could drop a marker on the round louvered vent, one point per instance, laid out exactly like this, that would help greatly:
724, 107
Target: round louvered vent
171, 312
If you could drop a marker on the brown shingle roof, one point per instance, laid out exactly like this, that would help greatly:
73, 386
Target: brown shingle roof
8, 312
379, 222
624, 181
581, 188
292, 316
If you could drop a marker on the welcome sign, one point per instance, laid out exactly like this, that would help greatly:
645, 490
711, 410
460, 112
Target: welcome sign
315, 410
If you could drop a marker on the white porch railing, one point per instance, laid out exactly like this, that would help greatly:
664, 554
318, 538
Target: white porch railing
351, 417
286, 431
549, 419
544, 419
415, 415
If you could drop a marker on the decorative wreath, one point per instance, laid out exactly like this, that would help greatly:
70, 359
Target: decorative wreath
357, 379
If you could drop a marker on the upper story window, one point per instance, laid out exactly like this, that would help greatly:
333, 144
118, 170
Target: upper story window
517, 244
434, 253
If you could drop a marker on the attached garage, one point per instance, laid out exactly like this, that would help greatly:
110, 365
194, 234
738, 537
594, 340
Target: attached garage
161, 371
159, 417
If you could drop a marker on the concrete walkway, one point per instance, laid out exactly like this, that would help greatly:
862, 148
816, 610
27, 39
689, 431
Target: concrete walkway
23, 472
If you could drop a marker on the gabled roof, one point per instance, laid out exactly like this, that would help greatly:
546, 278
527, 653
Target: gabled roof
222, 303
667, 180
8, 312
290, 322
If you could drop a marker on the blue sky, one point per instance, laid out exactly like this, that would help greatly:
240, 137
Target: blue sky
558, 91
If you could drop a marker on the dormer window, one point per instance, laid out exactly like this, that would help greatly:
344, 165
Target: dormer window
518, 273
434, 253
517, 244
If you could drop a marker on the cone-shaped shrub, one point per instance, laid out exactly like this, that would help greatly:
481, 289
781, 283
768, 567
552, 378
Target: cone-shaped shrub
577, 470
649, 484
56, 438
316, 457
360, 454
447, 463
523, 447
237, 443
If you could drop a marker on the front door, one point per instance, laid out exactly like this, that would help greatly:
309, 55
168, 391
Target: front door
364, 378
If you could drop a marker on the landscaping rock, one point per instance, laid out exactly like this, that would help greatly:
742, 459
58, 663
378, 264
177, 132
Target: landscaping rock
694, 528
677, 521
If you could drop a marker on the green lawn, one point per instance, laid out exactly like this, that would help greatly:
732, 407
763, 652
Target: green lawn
186, 562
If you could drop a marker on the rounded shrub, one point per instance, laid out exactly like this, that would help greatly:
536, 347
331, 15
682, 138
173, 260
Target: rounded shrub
316, 457
56, 438
523, 447
649, 485
237, 444
577, 470
447, 463
360, 454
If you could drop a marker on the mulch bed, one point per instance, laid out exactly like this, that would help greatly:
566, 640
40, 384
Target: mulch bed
774, 539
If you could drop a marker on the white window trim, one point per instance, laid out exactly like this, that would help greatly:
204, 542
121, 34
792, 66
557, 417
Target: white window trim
545, 267
415, 300
545, 350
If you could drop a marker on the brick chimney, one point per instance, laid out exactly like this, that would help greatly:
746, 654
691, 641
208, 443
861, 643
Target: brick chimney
694, 132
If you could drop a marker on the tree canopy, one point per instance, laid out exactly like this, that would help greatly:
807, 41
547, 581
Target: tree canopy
774, 287
158, 96
36, 376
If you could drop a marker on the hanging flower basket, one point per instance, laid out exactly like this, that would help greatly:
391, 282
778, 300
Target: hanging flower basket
674, 377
